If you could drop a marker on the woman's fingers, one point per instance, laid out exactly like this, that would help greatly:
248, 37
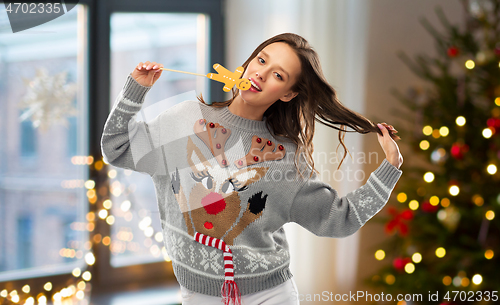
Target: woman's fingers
147, 73
389, 146
393, 131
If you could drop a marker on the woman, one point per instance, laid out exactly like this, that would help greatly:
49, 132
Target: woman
230, 174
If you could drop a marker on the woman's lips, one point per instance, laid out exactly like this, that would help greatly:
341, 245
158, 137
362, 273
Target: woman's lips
253, 89
254, 85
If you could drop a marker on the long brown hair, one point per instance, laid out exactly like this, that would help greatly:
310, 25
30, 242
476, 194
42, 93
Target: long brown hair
316, 101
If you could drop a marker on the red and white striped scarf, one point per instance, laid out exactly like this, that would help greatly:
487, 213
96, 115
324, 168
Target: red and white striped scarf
229, 290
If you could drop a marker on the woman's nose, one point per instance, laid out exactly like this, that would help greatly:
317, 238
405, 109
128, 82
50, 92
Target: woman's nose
260, 75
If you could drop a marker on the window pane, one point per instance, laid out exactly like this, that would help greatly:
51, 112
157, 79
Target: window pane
179, 42
43, 127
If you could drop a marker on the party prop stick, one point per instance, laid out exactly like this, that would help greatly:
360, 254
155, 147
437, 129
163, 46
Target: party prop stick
225, 76
183, 72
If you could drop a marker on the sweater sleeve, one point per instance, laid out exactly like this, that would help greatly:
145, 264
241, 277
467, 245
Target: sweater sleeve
318, 208
127, 143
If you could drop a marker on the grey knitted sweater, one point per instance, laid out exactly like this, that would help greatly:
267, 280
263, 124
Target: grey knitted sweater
228, 177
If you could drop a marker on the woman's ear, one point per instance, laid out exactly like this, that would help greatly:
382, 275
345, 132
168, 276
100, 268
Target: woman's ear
289, 96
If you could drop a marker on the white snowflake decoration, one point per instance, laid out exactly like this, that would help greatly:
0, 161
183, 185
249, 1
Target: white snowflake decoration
48, 100
177, 245
256, 260
211, 260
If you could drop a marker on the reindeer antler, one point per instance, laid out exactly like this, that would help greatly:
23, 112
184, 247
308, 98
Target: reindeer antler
215, 137
261, 150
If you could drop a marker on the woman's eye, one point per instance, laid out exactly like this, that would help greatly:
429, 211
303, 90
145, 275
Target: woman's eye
279, 76
262, 61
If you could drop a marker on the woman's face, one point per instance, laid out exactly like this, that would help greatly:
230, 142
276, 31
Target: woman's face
273, 72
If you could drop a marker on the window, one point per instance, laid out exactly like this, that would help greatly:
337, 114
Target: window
51, 166
178, 41
42, 198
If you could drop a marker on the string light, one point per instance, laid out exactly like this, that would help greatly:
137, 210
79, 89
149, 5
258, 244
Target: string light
86, 276
460, 121
42, 299
441, 215
478, 200
89, 184
424, 145
487, 133
491, 169
440, 252
112, 174
390, 279
454, 190
26, 289
490, 215
107, 204
103, 213
159, 237
90, 258
110, 220
413, 205
488, 254
80, 295
497, 100
409, 268
444, 131
434, 200
445, 202
447, 280
428, 177
379, 254
416, 257
125, 206
402, 197
477, 279
435, 133
465, 282
469, 64
427, 130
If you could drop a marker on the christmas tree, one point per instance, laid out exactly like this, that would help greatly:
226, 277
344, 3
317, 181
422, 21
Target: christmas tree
442, 228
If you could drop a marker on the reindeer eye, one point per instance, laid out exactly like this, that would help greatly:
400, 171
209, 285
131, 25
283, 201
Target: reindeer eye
207, 182
204, 178
227, 187
235, 185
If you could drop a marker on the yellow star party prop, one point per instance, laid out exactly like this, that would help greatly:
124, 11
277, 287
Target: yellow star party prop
225, 76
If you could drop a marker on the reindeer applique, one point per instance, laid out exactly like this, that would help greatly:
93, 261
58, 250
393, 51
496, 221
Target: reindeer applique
214, 202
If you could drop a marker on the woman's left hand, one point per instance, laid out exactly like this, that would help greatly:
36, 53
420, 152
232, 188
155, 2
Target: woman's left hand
389, 146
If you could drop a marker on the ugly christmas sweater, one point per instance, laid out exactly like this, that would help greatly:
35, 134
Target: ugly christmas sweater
225, 181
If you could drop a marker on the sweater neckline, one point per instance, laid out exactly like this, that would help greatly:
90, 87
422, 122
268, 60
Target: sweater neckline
241, 122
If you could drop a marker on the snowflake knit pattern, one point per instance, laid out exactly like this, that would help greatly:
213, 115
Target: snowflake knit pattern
230, 179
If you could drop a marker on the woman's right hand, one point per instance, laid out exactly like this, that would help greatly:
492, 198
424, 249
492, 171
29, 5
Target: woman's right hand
389, 146
147, 73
